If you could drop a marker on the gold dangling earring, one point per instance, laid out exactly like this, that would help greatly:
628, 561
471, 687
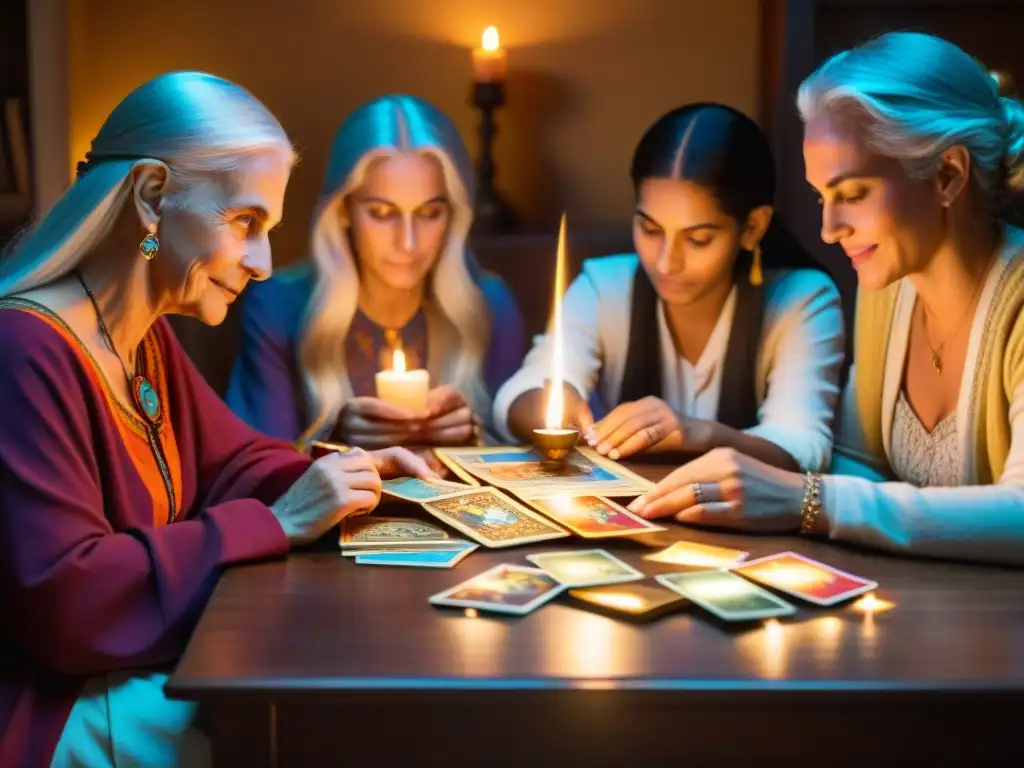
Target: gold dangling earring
756, 275
149, 246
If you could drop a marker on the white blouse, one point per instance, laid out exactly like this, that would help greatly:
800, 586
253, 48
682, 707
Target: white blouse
798, 367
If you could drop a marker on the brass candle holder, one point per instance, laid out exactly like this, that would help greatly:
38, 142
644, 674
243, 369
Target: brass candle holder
555, 444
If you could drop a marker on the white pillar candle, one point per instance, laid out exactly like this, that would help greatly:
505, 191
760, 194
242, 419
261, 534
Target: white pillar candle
406, 389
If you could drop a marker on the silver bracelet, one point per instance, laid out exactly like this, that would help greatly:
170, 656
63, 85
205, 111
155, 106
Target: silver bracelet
811, 518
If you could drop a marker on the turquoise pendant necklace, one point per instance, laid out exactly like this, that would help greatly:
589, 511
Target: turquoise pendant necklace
146, 400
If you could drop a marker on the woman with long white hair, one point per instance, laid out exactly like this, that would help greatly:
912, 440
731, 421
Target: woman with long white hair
918, 158
390, 269
126, 485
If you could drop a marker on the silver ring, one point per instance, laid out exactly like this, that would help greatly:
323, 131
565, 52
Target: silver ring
698, 493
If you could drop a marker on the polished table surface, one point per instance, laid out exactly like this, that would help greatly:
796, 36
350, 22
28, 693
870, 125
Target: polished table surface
318, 628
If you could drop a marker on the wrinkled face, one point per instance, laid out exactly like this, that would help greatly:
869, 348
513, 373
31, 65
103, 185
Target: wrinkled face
686, 243
399, 219
888, 223
214, 235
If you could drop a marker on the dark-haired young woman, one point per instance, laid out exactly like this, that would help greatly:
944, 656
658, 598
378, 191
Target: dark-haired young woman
720, 331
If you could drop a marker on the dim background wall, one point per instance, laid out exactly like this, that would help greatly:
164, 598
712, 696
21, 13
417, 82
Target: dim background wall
586, 77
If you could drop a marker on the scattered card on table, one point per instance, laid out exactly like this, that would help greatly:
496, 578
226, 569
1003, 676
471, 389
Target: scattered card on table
366, 532
417, 489
504, 588
726, 595
490, 517
807, 579
637, 601
697, 555
593, 517
585, 568
584, 472
438, 558
450, 546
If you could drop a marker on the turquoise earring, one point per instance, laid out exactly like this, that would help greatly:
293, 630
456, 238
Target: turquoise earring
149, 246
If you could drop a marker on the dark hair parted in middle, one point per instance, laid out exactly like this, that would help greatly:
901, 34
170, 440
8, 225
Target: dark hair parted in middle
725, 152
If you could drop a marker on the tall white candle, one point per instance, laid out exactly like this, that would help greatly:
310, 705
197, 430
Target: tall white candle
406, 389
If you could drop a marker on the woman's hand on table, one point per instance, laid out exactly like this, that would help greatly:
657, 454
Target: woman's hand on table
634, 427
727, 489
334, 487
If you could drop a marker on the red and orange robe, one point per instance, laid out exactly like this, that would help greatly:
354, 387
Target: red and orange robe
112, 535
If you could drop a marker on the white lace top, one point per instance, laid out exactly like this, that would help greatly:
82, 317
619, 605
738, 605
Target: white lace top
920, 457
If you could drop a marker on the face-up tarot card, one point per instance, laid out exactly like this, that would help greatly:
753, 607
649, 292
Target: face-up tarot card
807, 579
585, 568
726, 595
593, 517
697, 555
505, 588
369, 532
490, 517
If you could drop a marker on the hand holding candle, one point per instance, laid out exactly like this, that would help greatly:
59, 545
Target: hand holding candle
402, 388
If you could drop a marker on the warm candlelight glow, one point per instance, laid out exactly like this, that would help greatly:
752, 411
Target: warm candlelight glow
490, 60
490, 40
871, 604
554, 416
406, 389
398, 361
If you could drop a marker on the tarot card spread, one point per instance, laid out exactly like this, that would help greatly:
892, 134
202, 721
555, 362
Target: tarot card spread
505, 588
490, 517
593, 517
521, 470
366, 532
726, 595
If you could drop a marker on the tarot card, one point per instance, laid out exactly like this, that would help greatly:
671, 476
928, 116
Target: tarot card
490, 517
585, 568
726, 595
438, 558
640, 602
367, 532
593, 517
503, 588
807, 579
697, 555
417, 489
523, 471
454, 467
450, 546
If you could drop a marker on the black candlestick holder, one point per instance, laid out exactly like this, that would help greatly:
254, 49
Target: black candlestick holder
492, 214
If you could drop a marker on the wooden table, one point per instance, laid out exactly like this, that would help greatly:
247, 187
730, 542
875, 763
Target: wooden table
316, 661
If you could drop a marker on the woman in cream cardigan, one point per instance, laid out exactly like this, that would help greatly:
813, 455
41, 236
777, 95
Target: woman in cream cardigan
917, 169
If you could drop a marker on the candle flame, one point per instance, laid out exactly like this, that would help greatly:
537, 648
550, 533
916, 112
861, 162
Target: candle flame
398, 361
491, 41
553, 419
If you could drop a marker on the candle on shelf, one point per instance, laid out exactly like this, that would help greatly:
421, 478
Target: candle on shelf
490, 60
406, 389
556, 439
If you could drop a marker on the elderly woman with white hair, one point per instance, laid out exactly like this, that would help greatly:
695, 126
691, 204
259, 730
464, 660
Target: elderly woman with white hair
126, 485
389, 269
918, 159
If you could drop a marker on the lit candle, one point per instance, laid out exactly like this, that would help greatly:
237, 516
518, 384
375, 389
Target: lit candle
406, 389
556, 440
553, 418
490, 60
